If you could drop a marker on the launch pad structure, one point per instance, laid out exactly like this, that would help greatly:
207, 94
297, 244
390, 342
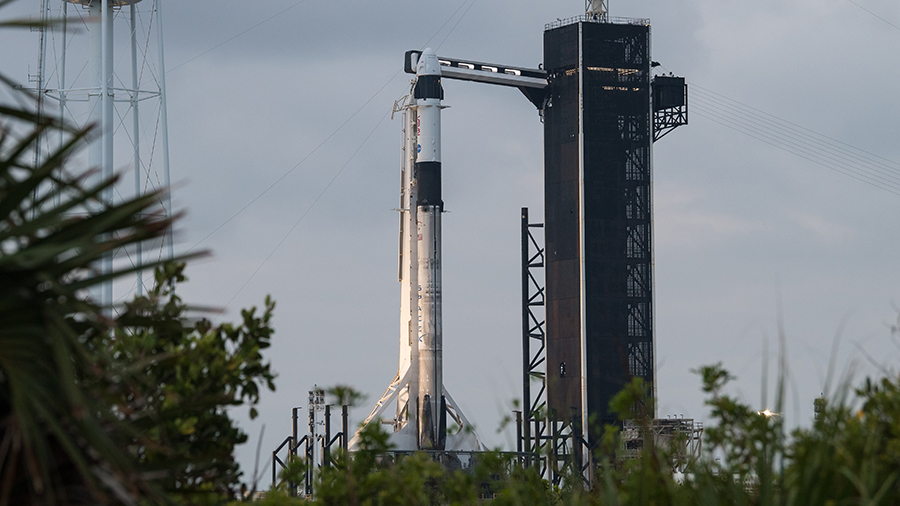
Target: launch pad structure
587, 269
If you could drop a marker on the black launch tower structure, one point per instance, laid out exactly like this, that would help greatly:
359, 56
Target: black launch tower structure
602, 112
588, 316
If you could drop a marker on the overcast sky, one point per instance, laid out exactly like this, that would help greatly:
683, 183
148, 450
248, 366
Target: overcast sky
749, 238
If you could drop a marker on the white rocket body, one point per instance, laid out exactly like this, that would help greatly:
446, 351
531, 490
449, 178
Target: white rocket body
429, 206
422, 402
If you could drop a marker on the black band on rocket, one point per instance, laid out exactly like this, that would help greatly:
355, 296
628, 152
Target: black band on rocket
428, 182
429, 87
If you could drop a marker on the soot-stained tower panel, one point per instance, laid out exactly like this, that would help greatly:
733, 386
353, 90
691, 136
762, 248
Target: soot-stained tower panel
597, 138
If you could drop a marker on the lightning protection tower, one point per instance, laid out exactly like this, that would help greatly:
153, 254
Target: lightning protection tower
101, 62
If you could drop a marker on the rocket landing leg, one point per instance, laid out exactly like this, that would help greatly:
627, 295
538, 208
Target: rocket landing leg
461, 437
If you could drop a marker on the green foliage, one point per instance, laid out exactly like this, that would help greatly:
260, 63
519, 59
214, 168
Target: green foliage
175, 380
343, 395
750, 441
54, 227
850, 453
135, 410
848, 456
96, 410
374, 476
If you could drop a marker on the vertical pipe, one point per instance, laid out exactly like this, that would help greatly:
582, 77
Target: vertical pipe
326, 446
310, 448
293, 446
136, 136
42, 57
62, 79
95, 150
653, 237
39, 87
345, 428
274, 471
554, 447
311, 438
164, 123
106, 92
106, 103
518, 431
577, 441
581, 237
401, 274
95, 118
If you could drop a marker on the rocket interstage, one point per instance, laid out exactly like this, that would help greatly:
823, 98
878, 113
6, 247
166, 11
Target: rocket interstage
431, 405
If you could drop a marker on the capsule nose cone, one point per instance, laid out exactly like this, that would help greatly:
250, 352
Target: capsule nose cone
428, 64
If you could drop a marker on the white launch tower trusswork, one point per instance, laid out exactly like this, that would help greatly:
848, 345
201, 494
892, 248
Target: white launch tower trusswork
422, 402
110, 72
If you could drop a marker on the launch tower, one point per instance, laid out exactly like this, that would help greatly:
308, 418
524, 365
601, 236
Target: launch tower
599, 124
602, 110
597, 214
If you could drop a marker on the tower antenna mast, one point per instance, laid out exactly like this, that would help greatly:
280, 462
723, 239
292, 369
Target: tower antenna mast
597, 9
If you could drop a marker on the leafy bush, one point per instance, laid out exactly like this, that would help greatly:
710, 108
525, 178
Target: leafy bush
175, 379
848, 456
96, 409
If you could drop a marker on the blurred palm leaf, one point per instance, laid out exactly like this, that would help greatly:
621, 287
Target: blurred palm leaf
55, 445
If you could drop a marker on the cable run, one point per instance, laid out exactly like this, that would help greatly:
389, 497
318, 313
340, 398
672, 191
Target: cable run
831, 139
298, 164
308, 209
750, 134
807, 154
788, 135
332, 134
455, 24
872, 13
788, 141
311, 153
445, 24
803, 153
810, 154
257, 25
808, 144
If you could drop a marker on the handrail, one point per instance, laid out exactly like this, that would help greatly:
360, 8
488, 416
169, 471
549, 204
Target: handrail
277, 461
587, 18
